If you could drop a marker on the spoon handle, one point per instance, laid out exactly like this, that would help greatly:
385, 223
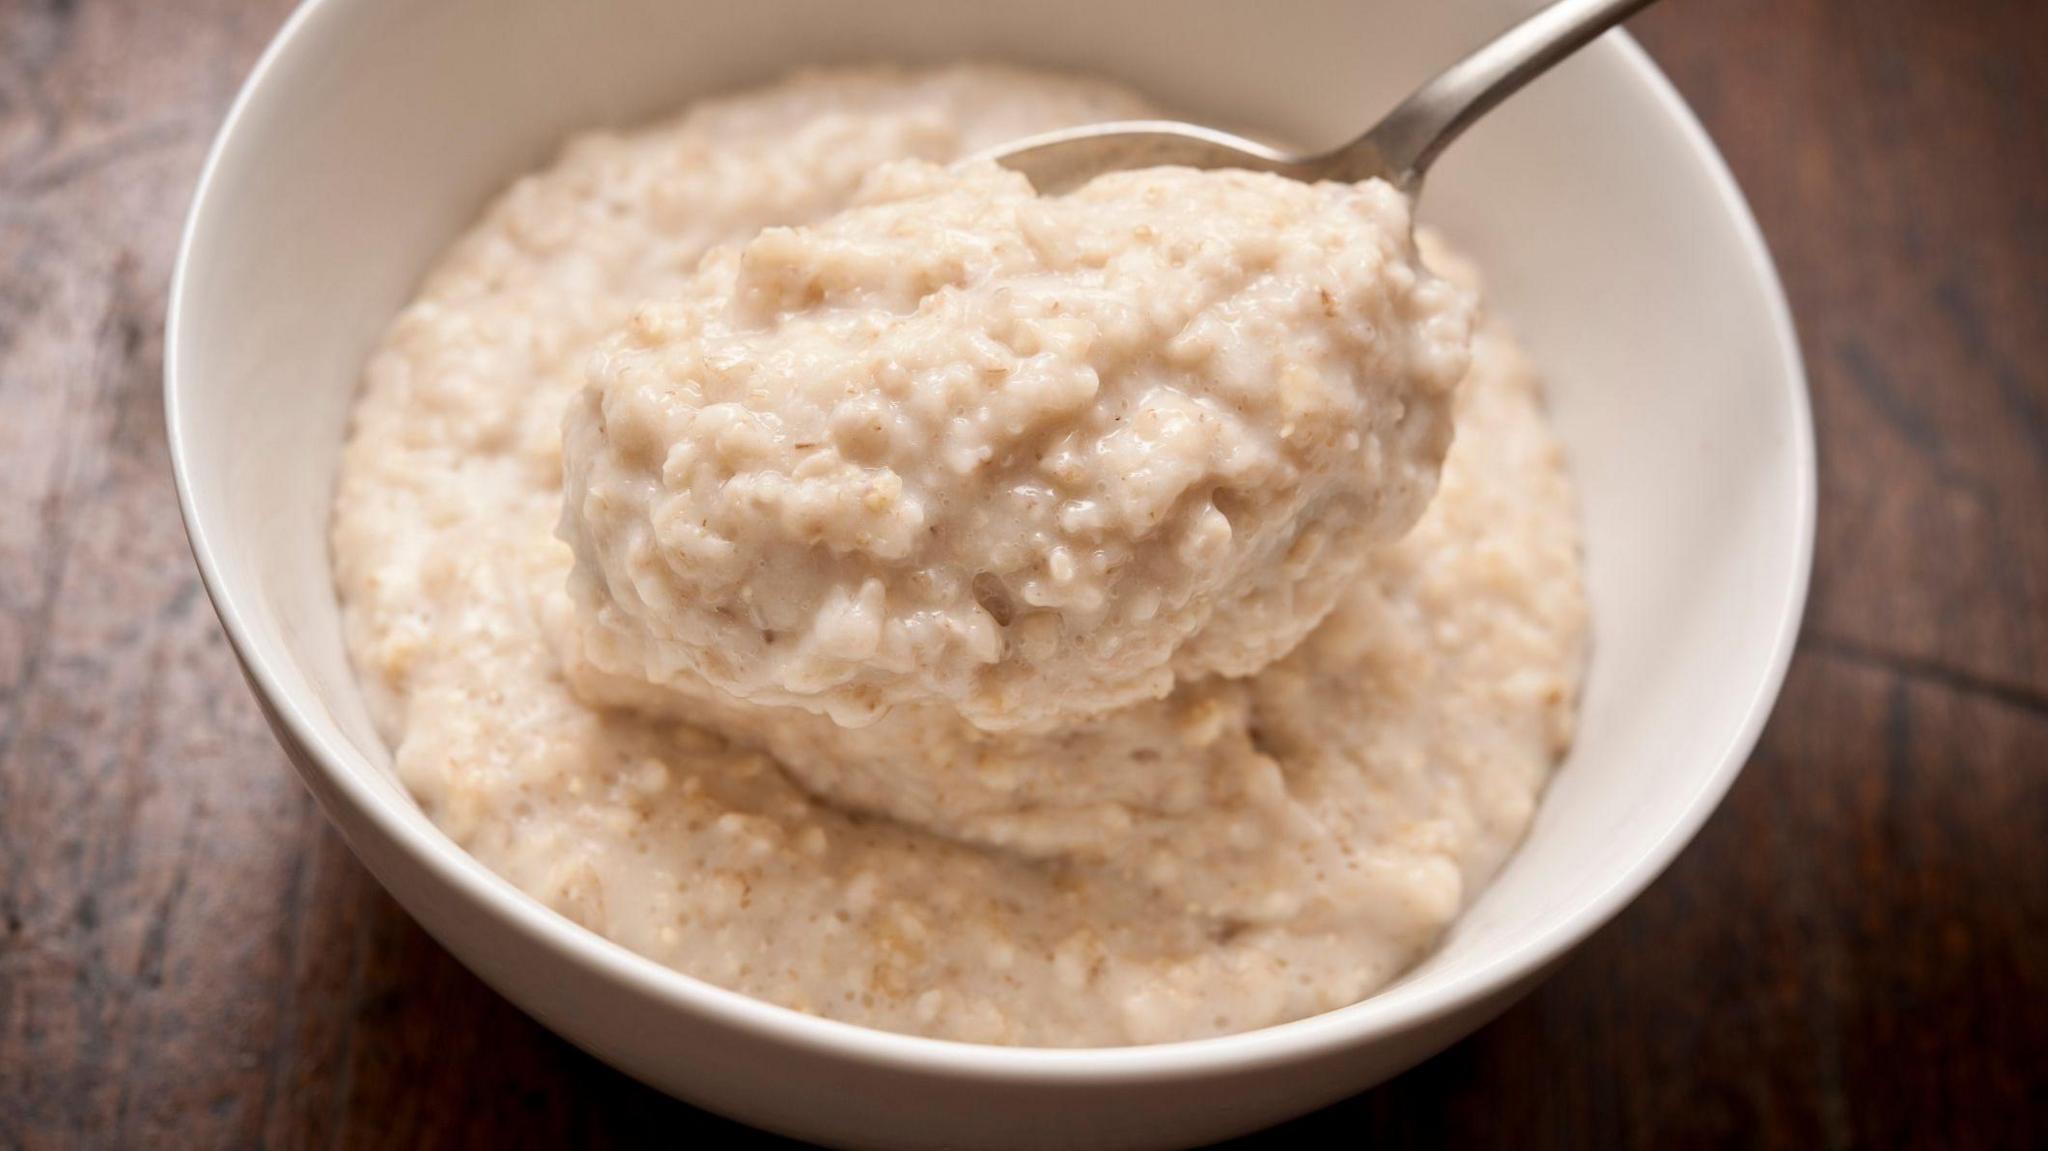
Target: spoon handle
1410, 138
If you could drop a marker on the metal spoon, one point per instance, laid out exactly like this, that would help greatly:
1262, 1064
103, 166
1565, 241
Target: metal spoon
1398, 149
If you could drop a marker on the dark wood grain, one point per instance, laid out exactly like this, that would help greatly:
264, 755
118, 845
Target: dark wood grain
1854, 952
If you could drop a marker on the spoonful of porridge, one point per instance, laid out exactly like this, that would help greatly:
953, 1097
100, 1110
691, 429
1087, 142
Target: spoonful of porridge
1399, 149
1031, 458
1028, 459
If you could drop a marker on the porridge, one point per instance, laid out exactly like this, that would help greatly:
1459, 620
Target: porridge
980, 617
1028, 459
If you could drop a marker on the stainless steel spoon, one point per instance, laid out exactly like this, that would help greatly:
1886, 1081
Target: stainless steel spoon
1398, 149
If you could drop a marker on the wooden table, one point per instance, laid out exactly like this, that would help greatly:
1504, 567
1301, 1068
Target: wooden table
1855, 951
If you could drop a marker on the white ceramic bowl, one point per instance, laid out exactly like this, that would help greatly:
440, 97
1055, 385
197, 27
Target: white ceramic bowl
1614, 240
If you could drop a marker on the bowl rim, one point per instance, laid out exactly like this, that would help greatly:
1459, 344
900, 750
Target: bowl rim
1391, 1011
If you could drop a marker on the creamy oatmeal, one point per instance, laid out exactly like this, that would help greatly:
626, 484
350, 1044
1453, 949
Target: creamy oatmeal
1029, 459
1243, 767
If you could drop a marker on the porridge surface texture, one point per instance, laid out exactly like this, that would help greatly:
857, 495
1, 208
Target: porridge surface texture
1233, 853
1032, 459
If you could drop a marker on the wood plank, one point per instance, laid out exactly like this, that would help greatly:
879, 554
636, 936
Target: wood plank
1897, 157
144, 826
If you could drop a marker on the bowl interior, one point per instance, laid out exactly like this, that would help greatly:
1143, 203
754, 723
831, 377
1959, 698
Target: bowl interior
1611, 239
